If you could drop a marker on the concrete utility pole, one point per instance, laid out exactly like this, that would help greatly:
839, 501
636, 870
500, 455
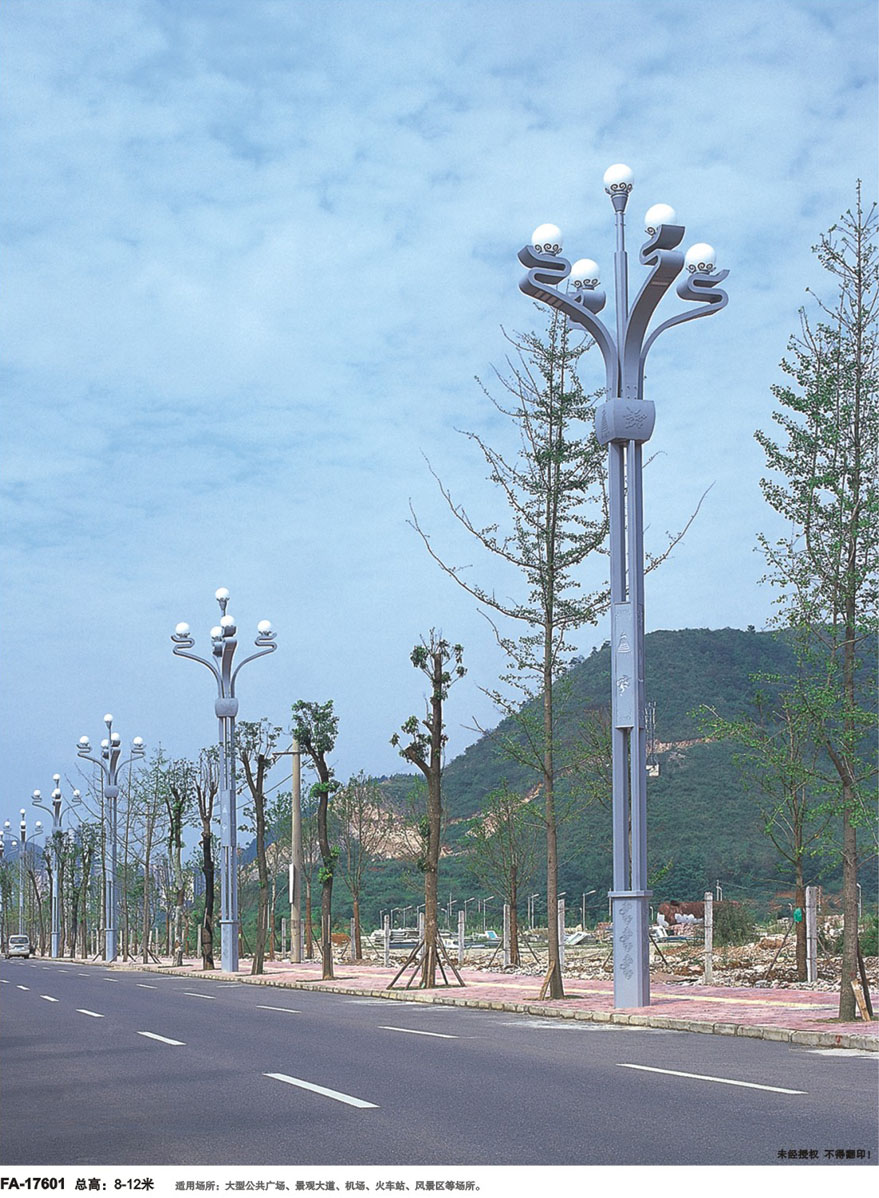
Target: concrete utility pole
812, 933
708, 924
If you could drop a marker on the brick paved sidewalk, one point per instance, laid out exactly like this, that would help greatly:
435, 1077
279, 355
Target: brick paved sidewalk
805, 1017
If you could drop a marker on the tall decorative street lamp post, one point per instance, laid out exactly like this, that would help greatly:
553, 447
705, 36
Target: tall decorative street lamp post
110, 766
4, 832
57, 816
22, 863
224, 642
623, 423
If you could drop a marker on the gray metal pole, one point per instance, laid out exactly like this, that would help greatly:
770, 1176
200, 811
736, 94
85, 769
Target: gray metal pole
296, 849
623, 423
22, 849
223, 645
228, 838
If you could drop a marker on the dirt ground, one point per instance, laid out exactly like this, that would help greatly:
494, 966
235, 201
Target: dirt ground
758, 964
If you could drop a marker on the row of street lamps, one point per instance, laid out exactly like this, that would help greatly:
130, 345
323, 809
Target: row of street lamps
624, 422
224, 641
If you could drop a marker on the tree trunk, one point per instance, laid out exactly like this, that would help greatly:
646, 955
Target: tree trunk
514, 915
357, 946
849, 829
207, 923
849, 911
553, 979
326, 928
800, 928
178, 926
309, 931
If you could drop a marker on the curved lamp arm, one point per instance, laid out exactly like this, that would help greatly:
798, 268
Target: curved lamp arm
270, 647
547, 269
182, 644
700, 288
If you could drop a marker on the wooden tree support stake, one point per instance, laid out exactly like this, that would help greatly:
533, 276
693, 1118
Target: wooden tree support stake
859, 999
442, 956
547, 980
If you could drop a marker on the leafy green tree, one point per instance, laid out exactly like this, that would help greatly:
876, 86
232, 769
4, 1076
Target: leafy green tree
823, 483
423, 748
555, 493
7, 886
316, 727
179, 799
255, 744
780, 759
556, 496
502, 845
86, 839
362, 823
148, 794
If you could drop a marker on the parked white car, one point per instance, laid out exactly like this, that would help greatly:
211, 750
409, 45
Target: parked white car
18, 946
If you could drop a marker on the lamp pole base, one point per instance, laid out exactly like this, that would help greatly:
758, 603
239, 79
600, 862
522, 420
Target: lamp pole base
229, 945
631, 958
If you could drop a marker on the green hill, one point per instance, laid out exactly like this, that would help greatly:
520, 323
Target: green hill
703, 825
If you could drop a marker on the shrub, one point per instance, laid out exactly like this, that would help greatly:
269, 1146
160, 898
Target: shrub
733, 924
870, 936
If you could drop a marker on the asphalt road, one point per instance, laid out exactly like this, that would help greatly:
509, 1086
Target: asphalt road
105, 1067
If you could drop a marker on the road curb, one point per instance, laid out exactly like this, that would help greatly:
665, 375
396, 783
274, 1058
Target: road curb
807, 1039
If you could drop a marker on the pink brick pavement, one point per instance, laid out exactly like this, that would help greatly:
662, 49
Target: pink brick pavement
798, 1016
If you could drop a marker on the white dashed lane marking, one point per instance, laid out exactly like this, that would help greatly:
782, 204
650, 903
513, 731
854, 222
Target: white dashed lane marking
702, 1077
416, 1032
348, 1099
162, 1039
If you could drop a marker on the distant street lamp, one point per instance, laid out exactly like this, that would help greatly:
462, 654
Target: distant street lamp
532, 907
583, 899
623, 423
57, 816
224, 642
485, 901
4, 832
22, 862
466, 901
109, 765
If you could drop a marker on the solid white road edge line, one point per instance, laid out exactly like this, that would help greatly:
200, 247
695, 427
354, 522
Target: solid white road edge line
163, 1039
416, 1032
296, 1081
703, 1077
83, 1011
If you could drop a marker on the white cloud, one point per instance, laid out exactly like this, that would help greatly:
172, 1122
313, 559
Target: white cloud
254, 258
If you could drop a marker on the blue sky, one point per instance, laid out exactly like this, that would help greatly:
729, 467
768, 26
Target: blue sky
254, 257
